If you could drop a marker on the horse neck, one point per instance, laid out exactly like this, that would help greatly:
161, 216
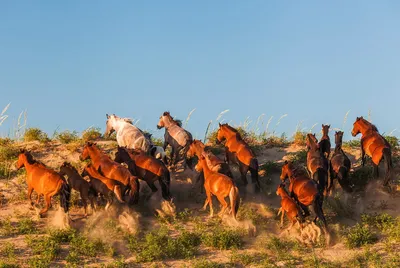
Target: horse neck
229, 134
284, 194
168, 122
338, 147
95, 154
28, 166
198, 151
206, 169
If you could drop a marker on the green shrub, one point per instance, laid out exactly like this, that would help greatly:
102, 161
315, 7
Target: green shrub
35, 134
352, 144
275, 141
8, 152
220, 238
159, 245
359, 235
299, 138
26, 226
299, 157
393, 141
92, 133
203, 263
8, 250
45, 250
67, 136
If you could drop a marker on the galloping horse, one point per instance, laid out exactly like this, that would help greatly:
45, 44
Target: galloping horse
374, 145
102, 185
305, 192
340, 165
197, 148
77, 183
127, 134
317, 164
147, 168
219, 185
325, 142
289, 206
44, 181
112, 170
238, 151
178, 138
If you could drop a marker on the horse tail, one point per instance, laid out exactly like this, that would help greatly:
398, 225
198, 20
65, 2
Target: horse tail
165, 181
117, 191
65, 196
321, 177
343, 179
235, 201
387, 156
134, 190
254, 173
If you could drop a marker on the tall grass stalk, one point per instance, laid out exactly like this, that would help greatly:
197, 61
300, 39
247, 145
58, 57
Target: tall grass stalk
206, 135
188, 117
256, 129
3, 116
19, 129
345, 119
313, 126
266, 128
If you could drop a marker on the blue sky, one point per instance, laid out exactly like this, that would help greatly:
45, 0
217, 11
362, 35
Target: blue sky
71, 62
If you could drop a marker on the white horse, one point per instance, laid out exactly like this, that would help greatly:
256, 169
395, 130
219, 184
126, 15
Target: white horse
127, 134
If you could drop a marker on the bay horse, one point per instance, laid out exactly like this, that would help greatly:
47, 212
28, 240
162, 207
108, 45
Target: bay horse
44, 181
112, 170
340, 165
219, 185
197, 148
237, 151
102, 185
374, 145
177, 137
305, 192
127, 134
289, 206
317, 164
325, 142
80, 185
146, 168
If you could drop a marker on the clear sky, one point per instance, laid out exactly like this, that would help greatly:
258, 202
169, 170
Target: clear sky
71, 62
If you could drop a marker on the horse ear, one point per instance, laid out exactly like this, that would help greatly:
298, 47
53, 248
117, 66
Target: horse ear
329, 126
323, 125
219, 124
107, 116
165, 113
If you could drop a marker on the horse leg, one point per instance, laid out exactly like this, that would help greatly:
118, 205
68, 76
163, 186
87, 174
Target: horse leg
153, 189
84, 202
376, 171
209, 197
30, 190
200, 178
223, 203
243, 172
282, 215
110, 200
47, 199
387, 157
362, 154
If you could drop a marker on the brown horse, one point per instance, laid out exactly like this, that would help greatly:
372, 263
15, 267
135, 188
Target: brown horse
177, 137
374, 145
147, 168
197, 148
79, 184
289, 206
340, 165
325, 142
102, 185
238, 151
112, 170
44, 181
219, 185
304, 191
317, 164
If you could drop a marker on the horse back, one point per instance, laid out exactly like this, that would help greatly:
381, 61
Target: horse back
179, 135
148, 163
373, 145
241, 150
305, 189
219, 184
44, 180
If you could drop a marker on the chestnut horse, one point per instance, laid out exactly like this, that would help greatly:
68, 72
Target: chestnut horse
146, 168
44, 181
102, 185
80, 185
177, 137
238, 151
197, 148
317, 164
325, 142
374, 145
289, 206
219, 185
305, 191
340, 165
112, 170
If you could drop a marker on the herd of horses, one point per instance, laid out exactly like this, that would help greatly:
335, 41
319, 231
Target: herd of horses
109, 179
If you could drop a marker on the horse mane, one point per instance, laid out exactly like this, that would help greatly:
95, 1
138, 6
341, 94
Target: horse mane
373, 127
128, 120
68, 165
30, 159
230, 127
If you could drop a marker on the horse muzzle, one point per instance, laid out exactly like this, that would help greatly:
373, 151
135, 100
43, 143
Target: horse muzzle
353, 134
159, 127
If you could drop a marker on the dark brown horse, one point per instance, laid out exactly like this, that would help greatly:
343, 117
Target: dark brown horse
305, 191
112, 170
177, 137
317, 164
197, 148
44, 181
325, 142
146, 168
340, 166
374, 145
238, 152
102, 185
80, 185
219, 185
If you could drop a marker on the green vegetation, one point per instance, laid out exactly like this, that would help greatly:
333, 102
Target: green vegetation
67, 136
359, 235
35, 134
221, 238
91, 133
299, 138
